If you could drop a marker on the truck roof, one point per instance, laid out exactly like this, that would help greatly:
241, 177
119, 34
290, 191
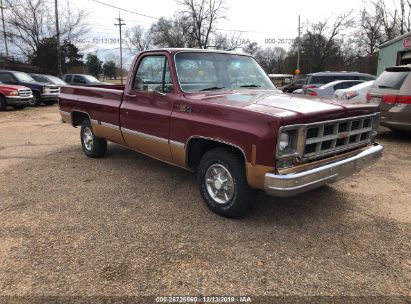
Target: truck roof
178, 50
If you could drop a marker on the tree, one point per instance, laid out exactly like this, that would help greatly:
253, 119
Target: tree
138, 39
227, 42
109, 69
30, 21
203, 16
94, 65
251, 48
45, 57
174, 32
271, 59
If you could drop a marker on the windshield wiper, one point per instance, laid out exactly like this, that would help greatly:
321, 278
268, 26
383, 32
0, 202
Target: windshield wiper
212, 89
250, 86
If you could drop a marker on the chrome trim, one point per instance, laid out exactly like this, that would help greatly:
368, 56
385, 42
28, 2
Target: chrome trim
302, 133
19, 97
293, 184
93, 121
109, 125
144, 135
216, 140
176, 144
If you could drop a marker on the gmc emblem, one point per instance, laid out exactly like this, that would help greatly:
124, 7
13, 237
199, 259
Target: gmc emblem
343, 135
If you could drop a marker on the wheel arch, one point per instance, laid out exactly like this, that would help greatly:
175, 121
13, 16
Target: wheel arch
196, 146
77, 117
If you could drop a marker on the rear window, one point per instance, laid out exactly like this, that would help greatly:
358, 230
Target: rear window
391, 80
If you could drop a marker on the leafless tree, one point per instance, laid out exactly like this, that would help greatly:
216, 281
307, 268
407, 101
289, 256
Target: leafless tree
203, 16
31, 21
138, 39
228, 42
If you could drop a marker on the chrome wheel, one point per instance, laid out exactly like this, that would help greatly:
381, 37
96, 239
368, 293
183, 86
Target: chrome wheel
88, 138
219, 183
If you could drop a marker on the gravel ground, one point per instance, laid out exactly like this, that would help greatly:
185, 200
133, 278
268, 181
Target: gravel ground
127, 225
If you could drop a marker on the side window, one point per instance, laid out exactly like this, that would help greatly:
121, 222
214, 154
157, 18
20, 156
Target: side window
6, 78
68, 78
78, 79
153, 74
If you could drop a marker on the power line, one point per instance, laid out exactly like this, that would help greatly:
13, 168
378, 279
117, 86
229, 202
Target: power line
125, 10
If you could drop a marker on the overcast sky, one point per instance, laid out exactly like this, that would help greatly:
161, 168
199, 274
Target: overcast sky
264, 19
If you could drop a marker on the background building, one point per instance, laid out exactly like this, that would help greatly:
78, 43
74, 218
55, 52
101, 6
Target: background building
395, 52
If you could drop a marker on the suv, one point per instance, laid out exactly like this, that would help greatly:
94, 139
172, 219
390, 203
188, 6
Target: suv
316, 80
81, 80
392, 90
47, 94
48, 79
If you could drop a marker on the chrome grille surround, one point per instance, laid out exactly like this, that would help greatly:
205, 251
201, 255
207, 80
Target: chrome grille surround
24, 93
320, 139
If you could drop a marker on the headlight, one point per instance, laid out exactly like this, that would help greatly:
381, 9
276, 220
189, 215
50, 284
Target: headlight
287, 142
14, 93
284, 141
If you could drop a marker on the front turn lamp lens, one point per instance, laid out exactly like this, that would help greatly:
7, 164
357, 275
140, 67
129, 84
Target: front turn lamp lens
284, 141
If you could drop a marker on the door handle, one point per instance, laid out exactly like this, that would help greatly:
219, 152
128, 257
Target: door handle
130, 95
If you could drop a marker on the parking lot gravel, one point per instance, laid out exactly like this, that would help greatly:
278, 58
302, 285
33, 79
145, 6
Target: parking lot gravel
128, 225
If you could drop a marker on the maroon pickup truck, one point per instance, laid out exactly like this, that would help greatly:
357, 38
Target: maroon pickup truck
218, 114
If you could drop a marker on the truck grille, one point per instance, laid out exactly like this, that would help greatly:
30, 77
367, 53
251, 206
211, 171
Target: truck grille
331, 137
24, 93
54, 90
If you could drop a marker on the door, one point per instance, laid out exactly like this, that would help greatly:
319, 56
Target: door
146, 109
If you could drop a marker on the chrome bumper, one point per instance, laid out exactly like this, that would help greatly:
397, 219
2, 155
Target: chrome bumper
16, 100
292, 184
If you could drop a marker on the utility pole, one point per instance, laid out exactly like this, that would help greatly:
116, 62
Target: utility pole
299, 43
120, 24
4, 28
59, 70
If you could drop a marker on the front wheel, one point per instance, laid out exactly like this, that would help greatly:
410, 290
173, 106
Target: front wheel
223, 183
3, 103
92, 145
36, 100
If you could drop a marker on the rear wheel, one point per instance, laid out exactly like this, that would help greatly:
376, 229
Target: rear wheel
92, 145
223, 183
36, 100
3, 103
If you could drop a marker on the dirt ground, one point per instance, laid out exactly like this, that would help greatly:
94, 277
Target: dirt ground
127, 225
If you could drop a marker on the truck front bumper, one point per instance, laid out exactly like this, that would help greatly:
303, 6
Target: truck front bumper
293, 184
50, 96
17, 100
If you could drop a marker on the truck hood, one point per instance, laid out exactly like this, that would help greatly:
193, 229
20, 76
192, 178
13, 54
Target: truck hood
12, 87
292, 109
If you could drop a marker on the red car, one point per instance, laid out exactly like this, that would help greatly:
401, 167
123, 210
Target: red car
14, 95
218, 114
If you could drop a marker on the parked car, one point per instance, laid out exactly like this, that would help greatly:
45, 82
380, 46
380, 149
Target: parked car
82, 80
48, 79
295, 85
237, 138
47, 94
316, 80
392, 90
328, 90
13, 95
298, 91
356, 93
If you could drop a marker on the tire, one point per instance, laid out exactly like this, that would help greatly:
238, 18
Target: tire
3, 103
93, 146
18, 107
49, 102
35, 102
222, 181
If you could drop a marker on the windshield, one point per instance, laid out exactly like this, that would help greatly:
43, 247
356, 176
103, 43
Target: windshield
213, 71
23, 77
391, 80
56, 80
91, 78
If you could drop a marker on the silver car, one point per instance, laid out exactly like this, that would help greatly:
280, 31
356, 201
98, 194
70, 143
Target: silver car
392, 90
328, 90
